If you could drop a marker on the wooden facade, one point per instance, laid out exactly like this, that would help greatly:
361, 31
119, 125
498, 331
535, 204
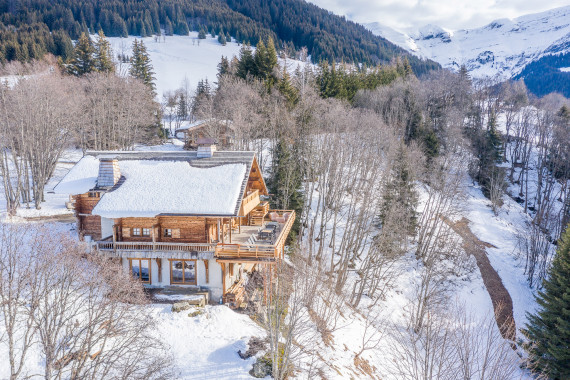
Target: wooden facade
218, 245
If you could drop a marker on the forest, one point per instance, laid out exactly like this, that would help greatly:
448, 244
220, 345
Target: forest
544, 76
378, 164
327, 36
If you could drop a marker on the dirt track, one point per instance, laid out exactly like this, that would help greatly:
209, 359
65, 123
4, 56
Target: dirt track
500, 297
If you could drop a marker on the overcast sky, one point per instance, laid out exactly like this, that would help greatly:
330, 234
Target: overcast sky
450, 14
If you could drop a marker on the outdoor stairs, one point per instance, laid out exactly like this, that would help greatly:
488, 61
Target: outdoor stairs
258, 214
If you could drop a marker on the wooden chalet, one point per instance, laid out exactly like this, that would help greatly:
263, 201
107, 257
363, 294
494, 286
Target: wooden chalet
219, 130
192, 218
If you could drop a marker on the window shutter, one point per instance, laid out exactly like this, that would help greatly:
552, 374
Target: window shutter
176, 233
126, 232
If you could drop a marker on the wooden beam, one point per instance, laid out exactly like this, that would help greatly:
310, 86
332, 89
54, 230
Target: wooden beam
206, 265
223, 265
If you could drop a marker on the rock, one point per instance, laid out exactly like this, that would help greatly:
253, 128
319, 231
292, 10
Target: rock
180, 306
196, 313
261, 368
199, 301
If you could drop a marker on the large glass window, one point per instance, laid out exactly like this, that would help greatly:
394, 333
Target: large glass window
183, 272
140, 269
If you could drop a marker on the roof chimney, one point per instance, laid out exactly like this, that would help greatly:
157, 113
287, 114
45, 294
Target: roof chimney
206, 147
109, 172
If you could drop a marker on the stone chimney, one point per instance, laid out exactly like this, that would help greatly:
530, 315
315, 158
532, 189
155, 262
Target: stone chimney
109, 172
206, 147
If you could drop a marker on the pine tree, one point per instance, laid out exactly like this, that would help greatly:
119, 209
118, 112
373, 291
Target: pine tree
246, 63
494, 138
287, 179
103, 55
286, 88
82, 60
222, 38
141, 68
168, 30
400, 195
260, 58
223, 67
202, 34
548, 330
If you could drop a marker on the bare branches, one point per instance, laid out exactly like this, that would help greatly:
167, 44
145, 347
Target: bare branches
82, 312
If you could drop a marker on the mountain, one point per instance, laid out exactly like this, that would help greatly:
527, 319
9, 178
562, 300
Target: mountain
504, 47
28, 28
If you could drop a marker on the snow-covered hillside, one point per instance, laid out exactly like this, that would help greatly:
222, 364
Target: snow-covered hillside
176, 59
503, 47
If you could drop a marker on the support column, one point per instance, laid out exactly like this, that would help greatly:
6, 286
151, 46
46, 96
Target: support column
159, 265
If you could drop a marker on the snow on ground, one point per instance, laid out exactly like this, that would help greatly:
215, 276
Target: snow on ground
205, 346
501, 231
176, 58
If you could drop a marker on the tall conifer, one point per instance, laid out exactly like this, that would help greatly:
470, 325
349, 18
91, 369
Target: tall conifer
82, 60
548, 330
103, 55
141, 68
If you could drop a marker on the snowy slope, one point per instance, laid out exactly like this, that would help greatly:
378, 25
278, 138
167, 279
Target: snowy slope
502, 47
176, 59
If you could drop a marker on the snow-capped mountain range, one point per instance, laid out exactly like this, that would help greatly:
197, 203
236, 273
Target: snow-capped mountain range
503, 47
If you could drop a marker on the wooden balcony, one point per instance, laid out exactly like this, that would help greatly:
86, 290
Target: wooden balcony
259, 251
239, 250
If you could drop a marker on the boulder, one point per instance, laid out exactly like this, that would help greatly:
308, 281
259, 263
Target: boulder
196, 313
180, 306
198, 300
261, 368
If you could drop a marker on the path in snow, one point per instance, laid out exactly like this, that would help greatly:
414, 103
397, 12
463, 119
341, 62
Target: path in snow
500, 297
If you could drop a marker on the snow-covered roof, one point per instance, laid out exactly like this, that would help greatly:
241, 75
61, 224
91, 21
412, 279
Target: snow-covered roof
154, 183
188, 126
81, 178
172, 187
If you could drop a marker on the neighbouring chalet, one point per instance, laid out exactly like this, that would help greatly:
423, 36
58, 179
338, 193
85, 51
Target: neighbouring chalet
189, 218
219, 130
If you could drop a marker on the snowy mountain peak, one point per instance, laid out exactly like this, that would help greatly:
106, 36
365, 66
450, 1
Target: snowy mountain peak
430, 31
503, 47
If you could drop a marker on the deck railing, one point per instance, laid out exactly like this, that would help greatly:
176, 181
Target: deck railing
221, 251
154, 246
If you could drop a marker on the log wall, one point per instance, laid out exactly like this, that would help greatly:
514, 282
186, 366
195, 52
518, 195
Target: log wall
88, 224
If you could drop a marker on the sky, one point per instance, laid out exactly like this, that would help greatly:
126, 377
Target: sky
404, 15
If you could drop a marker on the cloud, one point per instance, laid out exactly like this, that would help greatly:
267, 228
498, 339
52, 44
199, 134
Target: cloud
451, 14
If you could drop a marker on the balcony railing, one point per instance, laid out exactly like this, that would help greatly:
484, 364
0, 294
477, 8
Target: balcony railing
262, 252
106, 245
249, 202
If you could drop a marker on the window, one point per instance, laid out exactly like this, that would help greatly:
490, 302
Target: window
94, 194
183, 272
136, 232
167, 232
146, 232
140, 269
